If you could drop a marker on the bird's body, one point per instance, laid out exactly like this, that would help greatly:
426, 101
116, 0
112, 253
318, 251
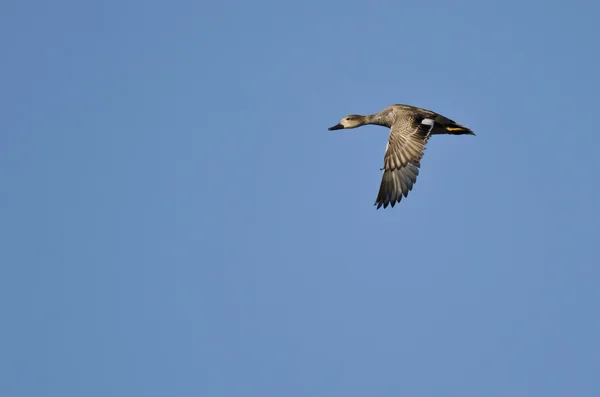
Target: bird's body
410, 129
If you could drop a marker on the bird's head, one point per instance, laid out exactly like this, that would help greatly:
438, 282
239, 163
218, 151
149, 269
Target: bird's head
350, 121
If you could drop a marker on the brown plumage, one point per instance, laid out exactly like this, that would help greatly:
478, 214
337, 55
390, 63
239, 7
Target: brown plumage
410, 129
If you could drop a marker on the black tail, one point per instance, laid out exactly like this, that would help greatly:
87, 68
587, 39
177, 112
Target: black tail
456, 129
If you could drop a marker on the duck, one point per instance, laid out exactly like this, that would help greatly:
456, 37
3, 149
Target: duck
410, 129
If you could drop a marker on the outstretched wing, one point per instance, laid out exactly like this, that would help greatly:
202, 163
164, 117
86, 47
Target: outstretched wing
401, 163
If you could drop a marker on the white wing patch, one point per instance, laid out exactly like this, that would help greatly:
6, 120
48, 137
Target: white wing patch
430, 123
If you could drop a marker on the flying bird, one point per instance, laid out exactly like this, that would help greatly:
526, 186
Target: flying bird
410, 128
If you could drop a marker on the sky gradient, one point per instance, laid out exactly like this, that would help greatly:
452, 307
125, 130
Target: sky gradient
178, 221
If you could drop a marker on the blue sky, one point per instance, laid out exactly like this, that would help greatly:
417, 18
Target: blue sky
177, 220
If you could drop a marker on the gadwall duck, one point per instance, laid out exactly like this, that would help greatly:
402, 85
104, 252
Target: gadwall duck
410, 128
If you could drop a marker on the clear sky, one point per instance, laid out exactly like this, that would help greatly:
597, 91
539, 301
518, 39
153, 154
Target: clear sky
176, 220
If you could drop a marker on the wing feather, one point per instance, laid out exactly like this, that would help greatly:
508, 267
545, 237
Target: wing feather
402, 159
